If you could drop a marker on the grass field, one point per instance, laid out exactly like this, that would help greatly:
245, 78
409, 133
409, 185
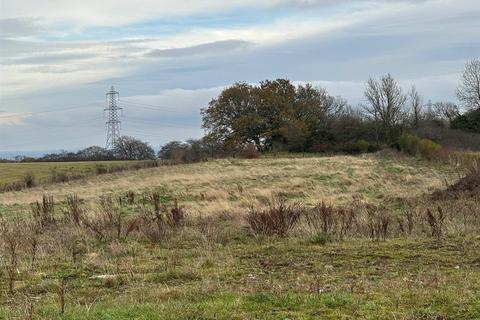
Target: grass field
214, 267
42, 171
234, 184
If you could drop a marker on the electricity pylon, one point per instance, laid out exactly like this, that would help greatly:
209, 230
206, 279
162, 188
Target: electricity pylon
112, 124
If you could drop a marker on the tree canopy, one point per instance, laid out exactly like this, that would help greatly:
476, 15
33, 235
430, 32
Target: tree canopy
274, 113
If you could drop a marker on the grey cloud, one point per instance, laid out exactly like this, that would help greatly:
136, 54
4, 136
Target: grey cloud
310, 3
318, 3
19, 27
53, 69
10, 48
353, 54
203, 49
52, 58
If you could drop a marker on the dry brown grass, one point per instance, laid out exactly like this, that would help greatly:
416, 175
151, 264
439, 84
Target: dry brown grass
233, 185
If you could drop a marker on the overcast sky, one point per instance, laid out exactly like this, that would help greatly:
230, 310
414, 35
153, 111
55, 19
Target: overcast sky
169, 58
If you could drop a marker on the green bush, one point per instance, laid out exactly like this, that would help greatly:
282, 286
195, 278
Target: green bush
409, 143
428, 148
413, 145
363, 145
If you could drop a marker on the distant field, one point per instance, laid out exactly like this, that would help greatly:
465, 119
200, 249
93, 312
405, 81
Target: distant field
13, 172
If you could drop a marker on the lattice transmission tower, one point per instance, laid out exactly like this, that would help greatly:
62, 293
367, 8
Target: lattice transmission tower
112, 124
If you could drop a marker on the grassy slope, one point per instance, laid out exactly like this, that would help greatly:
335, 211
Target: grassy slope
226, 274
233, 185
13, 172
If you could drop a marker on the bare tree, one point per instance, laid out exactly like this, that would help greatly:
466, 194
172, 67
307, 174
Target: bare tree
446, 110
386, 103
416, 104
129, 148
469, 90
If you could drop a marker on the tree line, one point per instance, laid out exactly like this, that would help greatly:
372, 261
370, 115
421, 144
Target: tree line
126, 148
276, 115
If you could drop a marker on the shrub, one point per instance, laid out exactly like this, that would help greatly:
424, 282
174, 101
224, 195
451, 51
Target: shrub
437, 222
321, 217
467, 160
43, 213
450, 138
10, 234
413, 145
110, 221
406, 222
408, 143
29, 180
377, 222
58, 176
329, 220
428, 148
163, 220
73, 212
346, 220
363, 145
130, 197
278, 219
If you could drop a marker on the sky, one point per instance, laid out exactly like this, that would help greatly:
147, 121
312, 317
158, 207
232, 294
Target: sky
168, 58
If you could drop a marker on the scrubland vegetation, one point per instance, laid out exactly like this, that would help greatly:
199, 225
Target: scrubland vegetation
377, 236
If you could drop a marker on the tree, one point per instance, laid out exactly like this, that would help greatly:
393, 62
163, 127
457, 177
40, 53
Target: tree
446, 111
197, 150
386, 104
470, 121
194, 150
94, 153
468, 91
316, 111
273, 114
351, 125
416, 105
174, 150
294, 135
276, 108
233, 116
130, 148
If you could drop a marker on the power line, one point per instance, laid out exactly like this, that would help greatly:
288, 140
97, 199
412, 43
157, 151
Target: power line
154, 107
146, 134
163, 123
